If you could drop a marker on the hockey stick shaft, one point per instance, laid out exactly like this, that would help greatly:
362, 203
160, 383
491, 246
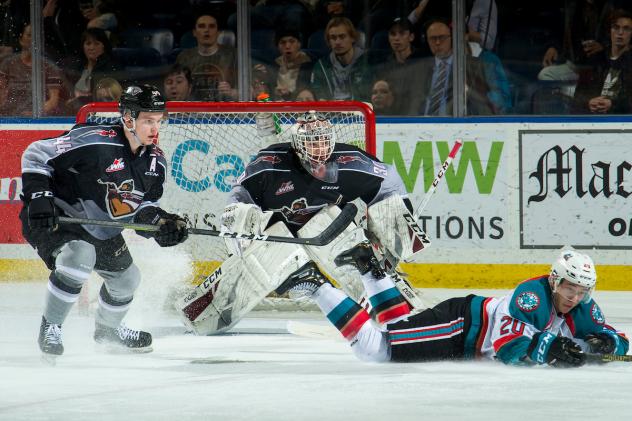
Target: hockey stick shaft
334, 229
446, 164
607, 358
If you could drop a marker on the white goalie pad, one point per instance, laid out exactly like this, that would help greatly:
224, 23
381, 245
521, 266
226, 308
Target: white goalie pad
240, 283
396, 230
346, 276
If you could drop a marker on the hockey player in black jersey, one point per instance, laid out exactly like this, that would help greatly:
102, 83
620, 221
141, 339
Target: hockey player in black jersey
101, 172
296, 189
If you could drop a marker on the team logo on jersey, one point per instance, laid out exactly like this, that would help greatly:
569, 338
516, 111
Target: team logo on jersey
597, 315
286, 187
107, 133
345, 159
528, 301
117, 165
299, 212
272, 159
121, 200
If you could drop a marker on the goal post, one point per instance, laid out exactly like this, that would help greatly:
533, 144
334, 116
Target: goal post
208, 145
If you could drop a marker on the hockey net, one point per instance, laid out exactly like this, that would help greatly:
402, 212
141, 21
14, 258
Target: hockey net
208, 145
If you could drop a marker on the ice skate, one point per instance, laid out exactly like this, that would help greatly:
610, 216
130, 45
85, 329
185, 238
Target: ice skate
362, 257
122, 339
50, 341
303, 283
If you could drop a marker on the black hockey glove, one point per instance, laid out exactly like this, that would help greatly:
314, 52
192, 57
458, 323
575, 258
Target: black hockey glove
557, 351
42, 211
173, 231
601, 343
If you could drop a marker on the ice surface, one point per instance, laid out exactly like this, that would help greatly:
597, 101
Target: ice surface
264, 373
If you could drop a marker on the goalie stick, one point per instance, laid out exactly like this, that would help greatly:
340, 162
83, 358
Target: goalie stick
336, 227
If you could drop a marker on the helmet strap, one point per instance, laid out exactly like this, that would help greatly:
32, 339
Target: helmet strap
132, 131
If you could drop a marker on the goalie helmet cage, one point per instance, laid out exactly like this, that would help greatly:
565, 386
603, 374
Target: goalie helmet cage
208, 145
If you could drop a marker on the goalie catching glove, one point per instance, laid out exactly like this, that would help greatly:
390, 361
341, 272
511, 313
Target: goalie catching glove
244, 218
43, 213
172, 228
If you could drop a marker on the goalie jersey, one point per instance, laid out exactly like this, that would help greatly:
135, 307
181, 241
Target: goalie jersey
276, 181
503, 327
93, 173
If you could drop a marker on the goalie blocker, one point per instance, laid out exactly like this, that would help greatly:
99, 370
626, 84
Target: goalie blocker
245, 278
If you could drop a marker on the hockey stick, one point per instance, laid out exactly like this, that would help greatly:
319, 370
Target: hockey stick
336, 227
607, 358
440, 174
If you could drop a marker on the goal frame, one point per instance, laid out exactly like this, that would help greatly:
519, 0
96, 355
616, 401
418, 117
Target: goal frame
252, 106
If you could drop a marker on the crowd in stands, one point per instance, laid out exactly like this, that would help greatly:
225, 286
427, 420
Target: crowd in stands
565, 56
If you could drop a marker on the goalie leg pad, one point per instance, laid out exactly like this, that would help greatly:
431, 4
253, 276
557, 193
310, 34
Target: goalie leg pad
240, 283
396, 229
347, 277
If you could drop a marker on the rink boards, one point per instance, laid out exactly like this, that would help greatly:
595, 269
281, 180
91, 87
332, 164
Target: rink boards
517, 191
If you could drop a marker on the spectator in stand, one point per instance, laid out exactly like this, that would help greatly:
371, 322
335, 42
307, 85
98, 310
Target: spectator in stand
607, 89
97, 63
482, 23
213, 66
399, 65
64, 22
499, 93
13, 15
99, 14
178, 83
383, 99
434, 77
292, 68
108, 90
16, 86
305, 94
577, 46
344, 74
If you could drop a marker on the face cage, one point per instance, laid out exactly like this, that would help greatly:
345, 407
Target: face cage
314, 141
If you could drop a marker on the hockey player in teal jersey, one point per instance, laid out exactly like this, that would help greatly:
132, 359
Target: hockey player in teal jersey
551, 319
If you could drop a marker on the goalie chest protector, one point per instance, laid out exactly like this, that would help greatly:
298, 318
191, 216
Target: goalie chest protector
277, 181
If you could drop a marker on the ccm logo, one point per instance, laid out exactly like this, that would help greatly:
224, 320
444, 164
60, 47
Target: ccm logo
39, 194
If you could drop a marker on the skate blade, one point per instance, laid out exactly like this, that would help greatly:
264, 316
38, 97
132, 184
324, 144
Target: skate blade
49, 359
110, 348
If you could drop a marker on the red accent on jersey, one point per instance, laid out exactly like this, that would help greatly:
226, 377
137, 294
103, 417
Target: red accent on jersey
107, 133
499, 343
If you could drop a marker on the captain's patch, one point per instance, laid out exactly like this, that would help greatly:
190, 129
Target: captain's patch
597, 315
528, 301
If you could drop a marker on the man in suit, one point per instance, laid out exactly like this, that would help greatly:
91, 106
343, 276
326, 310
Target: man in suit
434, 78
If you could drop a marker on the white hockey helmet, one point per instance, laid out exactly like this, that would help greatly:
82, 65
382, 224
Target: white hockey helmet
576, 268
313, 138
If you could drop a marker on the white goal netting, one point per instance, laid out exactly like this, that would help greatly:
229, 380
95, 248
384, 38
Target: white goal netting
208, 145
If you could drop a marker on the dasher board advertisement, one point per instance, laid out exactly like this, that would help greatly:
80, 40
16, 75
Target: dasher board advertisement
575, 188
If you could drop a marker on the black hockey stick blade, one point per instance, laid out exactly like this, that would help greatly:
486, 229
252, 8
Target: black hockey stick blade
336, 227
607, 358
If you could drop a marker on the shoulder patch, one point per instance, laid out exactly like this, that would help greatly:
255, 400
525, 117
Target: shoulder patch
597, 314
528, 301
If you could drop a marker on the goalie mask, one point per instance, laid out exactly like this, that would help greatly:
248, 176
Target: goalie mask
576, 268
313, 140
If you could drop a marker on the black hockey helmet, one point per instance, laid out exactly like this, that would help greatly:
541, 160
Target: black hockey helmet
137, 98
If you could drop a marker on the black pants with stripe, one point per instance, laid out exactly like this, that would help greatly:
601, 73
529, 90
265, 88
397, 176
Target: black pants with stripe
434, 334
